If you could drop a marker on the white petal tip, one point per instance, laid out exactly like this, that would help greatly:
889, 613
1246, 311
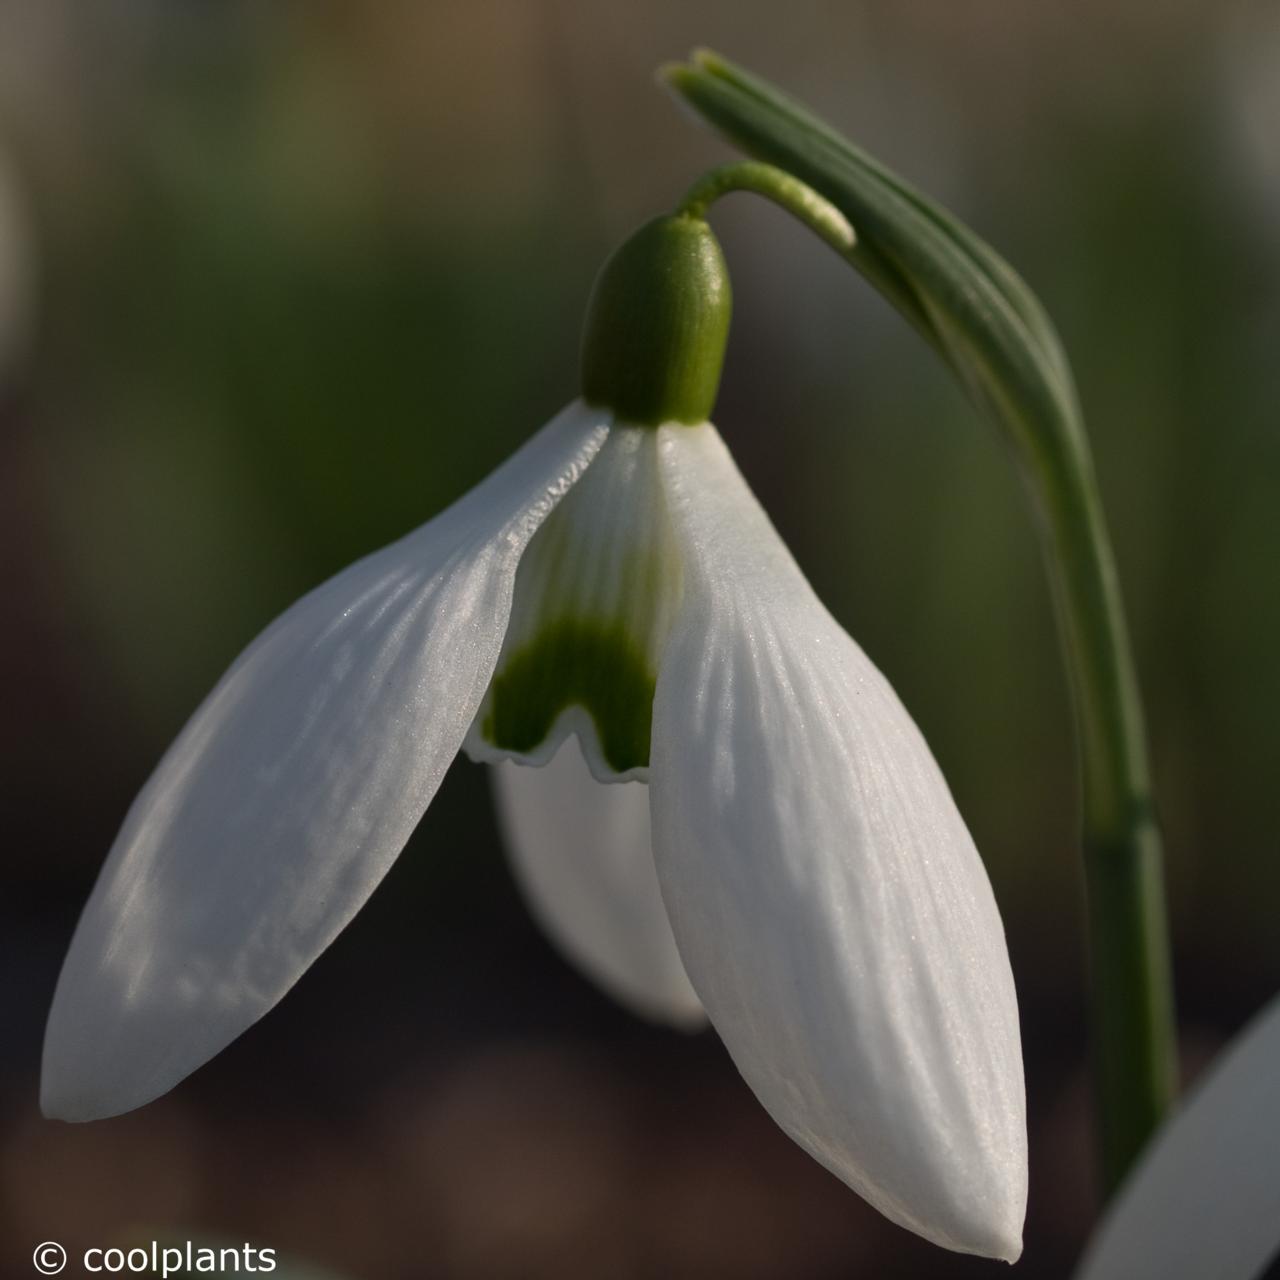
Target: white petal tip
985, 1218
99, 1060
999, 1239
981, 1239
58, 1110
1004, 1247
987, 1225
670, 1008
690, 1021
675, 1015
76, 1108
995, 1227
86, 1093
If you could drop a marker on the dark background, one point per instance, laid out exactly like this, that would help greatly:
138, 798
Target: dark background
278, 282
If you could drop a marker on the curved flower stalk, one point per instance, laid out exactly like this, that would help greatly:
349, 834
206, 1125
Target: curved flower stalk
1205, 1198
746, 826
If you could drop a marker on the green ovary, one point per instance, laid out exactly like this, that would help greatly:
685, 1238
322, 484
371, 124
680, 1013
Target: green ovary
575, 662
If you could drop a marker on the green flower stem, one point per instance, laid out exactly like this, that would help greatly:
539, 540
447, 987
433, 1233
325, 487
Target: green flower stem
799, 200
996, 338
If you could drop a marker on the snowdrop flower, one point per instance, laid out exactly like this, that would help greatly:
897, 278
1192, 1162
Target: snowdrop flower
1205, 1198
795, 865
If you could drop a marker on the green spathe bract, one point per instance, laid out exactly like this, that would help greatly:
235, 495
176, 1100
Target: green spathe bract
657, 325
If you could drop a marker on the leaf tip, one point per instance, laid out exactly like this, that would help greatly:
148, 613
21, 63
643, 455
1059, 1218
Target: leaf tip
673, 75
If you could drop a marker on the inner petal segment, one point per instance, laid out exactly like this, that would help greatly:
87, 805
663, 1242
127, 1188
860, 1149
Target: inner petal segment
595, 593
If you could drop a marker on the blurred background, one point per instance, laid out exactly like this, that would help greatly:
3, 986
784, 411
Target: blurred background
279, 282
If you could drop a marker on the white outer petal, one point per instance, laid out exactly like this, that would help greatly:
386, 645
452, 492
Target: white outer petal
832, 912
1204, 1201
289, 793
581, 852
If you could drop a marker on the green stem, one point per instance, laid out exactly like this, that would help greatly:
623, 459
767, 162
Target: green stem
994, 335
1131, 989
799, 200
